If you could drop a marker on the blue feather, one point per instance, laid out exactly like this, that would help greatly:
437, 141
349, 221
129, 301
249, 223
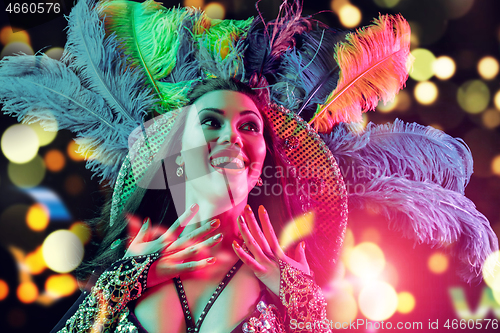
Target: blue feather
96, 59
309, 69
38, 88
428, 213
96, 95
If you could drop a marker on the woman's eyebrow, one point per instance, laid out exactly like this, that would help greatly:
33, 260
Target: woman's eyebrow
221, 112
250, 111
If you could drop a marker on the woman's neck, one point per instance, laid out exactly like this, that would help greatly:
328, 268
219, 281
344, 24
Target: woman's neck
228, 227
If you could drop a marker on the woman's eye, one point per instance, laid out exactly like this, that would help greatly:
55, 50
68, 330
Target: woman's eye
250, 127
211, 122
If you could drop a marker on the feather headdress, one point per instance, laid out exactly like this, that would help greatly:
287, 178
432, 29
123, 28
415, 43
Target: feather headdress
374, 65
124, 61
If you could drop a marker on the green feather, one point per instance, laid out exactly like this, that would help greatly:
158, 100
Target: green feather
148, 34
174, 94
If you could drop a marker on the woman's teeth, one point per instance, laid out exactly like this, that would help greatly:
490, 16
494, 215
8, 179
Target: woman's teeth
218, 162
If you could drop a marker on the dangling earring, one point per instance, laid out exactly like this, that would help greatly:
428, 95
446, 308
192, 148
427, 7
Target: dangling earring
259, 182
180, 171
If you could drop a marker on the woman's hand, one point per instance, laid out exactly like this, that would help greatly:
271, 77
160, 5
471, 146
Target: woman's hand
175, 250
265, 249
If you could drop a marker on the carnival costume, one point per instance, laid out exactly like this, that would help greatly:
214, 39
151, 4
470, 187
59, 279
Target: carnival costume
127, 62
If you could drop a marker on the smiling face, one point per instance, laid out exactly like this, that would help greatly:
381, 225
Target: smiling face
223, 147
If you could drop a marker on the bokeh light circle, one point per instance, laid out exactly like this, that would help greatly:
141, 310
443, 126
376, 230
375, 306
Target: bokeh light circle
366, 260
406, 302
74, 184
27, 292
491, 118
61, 285
378, 301
473, 96
488, 67
4, 290
387, 107
54, 160
426, 92
82, 231
35, 262
390, 274
27, 175
438, 263
194, 3
72, 151
423, 65
495, 165
215, 10
404, 101
491, 271
19, 143
8, 36
457, 8
349, 16
37, 217
62, 251
55, 52
496, 295
496, 100
386, 3
444, 67
342, 307
44, 137
370, 234
14, 48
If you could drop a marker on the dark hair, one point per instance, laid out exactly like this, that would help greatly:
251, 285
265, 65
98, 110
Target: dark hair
145, 202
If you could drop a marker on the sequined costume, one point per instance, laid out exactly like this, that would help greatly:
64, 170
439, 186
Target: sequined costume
106, 308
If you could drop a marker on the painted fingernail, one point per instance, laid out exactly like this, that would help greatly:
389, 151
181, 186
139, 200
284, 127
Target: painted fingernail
211, 260
240, 236
236, 245
145, 223
194, 207
241, 219
248, 208
303, 244
218, 236
261, 208
215, 223
145, 220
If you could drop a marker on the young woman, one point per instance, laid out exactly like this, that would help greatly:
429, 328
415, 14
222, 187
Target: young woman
216, 249
211, 267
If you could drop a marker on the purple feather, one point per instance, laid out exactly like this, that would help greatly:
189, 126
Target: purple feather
266, 42
430, 214
415, 176
412, 151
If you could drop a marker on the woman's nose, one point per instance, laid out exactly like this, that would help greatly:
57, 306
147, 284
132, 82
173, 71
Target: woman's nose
232, 136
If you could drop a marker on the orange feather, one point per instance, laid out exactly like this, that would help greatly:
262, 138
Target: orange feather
374, 64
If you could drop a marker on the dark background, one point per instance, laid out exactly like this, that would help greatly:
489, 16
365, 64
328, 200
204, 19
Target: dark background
466, 39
